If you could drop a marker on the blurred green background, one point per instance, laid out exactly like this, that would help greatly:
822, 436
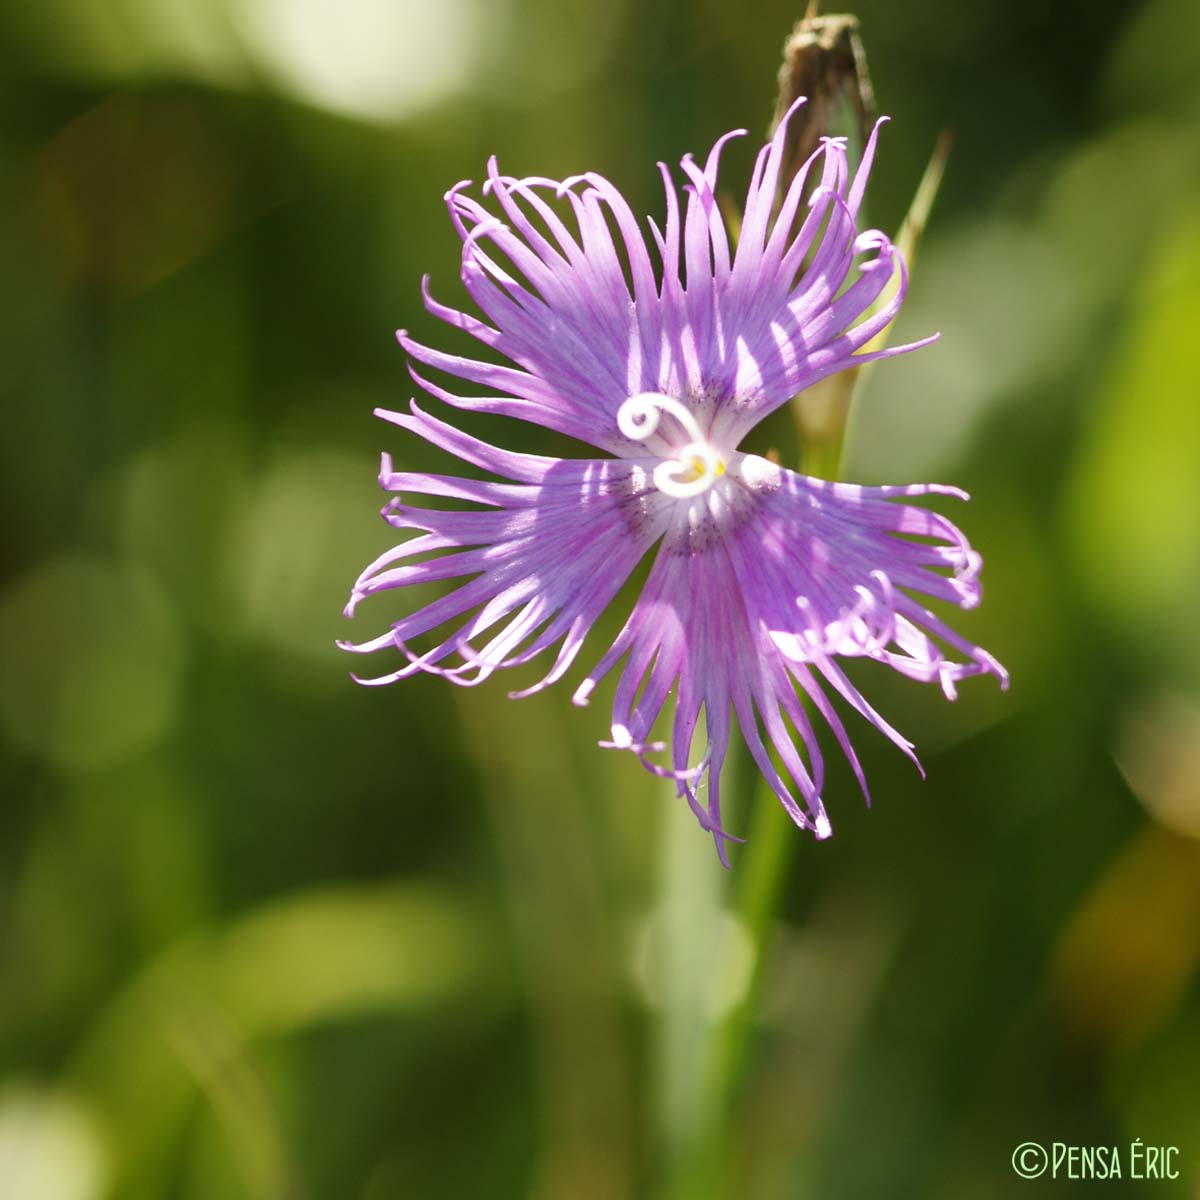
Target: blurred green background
264, 934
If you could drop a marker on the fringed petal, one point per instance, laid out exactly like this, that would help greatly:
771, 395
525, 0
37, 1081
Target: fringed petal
545, 555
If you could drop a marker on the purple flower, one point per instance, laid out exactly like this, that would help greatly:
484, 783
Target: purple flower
761, 578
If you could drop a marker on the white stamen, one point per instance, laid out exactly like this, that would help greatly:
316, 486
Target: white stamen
760, 474
638, 419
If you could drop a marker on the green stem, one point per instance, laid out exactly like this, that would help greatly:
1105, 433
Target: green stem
755, 901
697, 1123
697, 1088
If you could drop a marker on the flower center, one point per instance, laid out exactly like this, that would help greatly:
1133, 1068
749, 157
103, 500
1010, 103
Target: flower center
694, 467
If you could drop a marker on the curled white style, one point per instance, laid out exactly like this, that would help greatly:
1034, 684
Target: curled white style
694, 467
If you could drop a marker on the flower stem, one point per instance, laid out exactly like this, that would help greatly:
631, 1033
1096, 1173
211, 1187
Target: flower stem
698, 1086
